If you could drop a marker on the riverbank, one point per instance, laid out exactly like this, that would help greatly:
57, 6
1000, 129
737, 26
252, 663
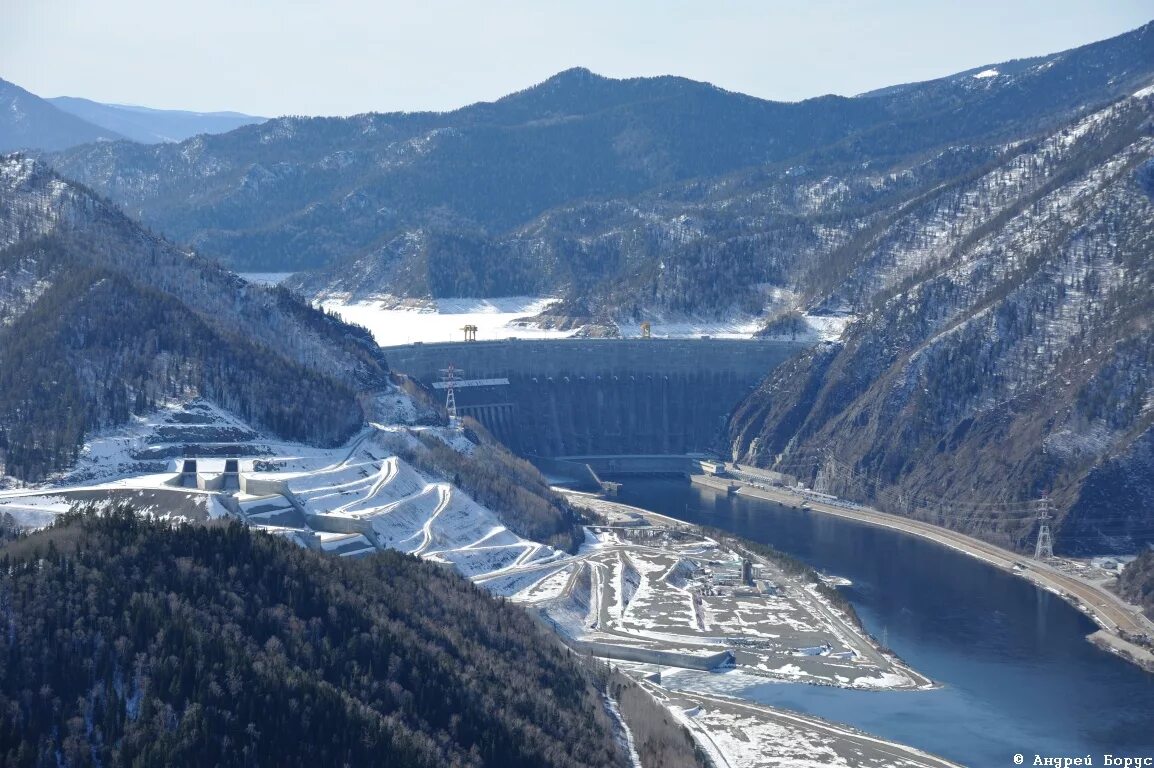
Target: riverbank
736, 731
847, 631
1109, 612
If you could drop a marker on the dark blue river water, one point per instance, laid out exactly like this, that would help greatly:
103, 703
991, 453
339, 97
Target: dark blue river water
1018, 675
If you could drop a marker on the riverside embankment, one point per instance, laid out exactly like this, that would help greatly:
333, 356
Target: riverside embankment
1108, 611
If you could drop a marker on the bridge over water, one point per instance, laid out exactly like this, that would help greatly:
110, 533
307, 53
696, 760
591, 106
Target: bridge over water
600, 396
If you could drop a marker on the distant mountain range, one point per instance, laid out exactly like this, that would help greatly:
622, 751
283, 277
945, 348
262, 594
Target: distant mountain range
571, 183
152, 126
29, 122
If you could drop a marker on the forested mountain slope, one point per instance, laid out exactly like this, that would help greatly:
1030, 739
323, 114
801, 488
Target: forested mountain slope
298, 193
578, 183
1136, 583
1005, 348
133, 642
100, 319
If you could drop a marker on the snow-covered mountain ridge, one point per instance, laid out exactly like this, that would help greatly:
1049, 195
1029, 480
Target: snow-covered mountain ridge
642, 195
1006, 350
101, 319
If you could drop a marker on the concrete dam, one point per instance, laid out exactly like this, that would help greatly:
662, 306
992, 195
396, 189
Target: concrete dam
574, 397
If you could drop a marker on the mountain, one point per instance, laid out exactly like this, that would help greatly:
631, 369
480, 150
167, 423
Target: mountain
152, 126
573, 184
153, 644
30, 122
1003, 348
302, 192
101, 319
985, 236
705, 245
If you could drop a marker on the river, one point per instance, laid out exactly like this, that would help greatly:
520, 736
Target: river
1017, 675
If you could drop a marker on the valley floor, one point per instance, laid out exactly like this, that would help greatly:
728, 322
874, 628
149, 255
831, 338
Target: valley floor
733, 730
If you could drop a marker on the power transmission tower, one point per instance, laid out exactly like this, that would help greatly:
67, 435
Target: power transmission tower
449, 377
820, 484
1044, 549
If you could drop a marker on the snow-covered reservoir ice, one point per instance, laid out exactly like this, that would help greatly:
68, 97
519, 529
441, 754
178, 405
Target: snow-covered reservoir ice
443, 319
393, 322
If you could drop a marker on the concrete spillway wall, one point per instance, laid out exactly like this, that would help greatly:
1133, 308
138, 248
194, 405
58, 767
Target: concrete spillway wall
600, 396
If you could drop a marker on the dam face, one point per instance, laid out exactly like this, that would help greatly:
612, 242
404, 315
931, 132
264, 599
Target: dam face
574, 397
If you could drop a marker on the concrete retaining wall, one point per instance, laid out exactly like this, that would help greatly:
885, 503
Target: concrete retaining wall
561, 357
651, 655
339, 524
262, 486
716, 483
209, 482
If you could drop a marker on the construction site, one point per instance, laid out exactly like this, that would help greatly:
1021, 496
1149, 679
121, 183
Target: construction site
649, 590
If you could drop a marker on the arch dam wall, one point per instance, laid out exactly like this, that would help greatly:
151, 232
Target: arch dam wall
581, 397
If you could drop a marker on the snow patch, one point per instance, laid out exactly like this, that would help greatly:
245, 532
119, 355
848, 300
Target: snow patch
392, 323
266, 278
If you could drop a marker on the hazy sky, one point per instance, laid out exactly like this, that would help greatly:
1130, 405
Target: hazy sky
341, 57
